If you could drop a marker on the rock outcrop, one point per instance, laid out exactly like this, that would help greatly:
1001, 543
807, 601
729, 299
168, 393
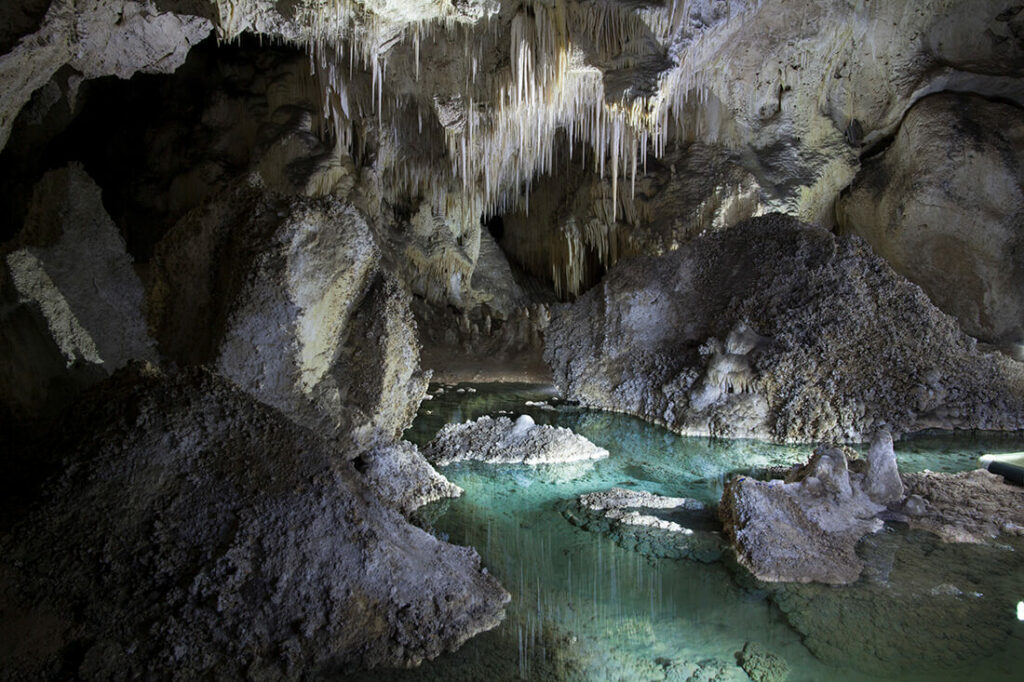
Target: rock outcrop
944, 205
804, 529
403, 478
973, 506
776, 330
653, 525
196, 533
72, 310
287, 298
500, 441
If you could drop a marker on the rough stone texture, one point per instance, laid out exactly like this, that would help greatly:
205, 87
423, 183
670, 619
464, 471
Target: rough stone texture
974, 506
500, 441
804, 530
96, 38
776, 330
762, 665
286, 298
944, 205
198, 534
882, 478
403, 478
72, 309
653, 525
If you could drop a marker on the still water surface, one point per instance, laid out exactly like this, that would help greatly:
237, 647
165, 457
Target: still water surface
587, 608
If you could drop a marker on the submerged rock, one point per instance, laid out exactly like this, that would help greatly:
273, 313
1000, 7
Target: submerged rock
653, 525
762, 665
925, 608
777, 330
500, 441
198, 534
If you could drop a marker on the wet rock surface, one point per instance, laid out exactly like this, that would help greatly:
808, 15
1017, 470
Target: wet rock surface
195, 532
502, 441
762, 665
776, 330
974, 506
653, 525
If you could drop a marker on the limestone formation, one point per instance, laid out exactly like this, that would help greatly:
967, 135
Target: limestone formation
653, 525
72, 309
286, 297
973, 506
776, 330
943, 204
804, 529
762, 665
500, 441
403, 478
197, 533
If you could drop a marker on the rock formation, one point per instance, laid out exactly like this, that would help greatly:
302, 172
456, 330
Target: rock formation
72, 310
654, 525
297, 195
806, 528
776, 330
943, 205
195, 532
500, 441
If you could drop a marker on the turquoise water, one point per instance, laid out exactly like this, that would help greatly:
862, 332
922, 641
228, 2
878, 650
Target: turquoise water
587, 608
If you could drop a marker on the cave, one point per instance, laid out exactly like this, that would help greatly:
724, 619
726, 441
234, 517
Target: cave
671, 340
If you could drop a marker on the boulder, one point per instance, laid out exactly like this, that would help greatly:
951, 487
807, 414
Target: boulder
287, 298
196, 533
500, 441
403, 478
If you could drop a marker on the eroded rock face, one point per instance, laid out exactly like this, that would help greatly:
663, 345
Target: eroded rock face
73, 304
500, 441
286, 297
653, 525
944, 205
197, 533
776, 330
